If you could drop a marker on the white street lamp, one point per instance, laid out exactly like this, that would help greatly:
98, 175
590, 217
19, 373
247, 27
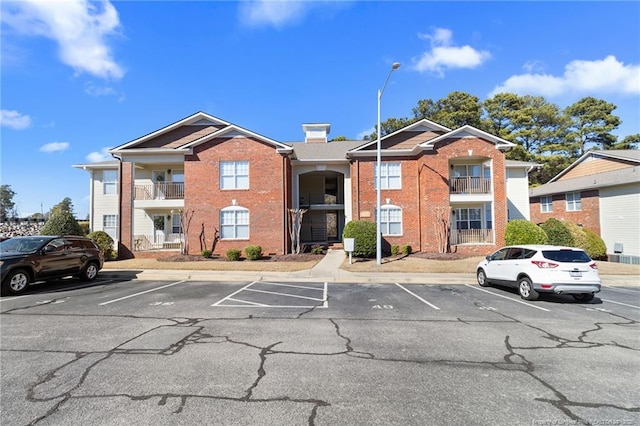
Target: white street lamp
394, 67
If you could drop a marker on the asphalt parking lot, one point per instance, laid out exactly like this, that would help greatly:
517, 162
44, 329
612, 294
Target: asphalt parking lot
269, 352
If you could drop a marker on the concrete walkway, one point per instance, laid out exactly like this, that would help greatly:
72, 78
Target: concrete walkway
327, 270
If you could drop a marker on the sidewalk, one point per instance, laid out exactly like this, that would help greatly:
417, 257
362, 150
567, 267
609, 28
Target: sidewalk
327, 270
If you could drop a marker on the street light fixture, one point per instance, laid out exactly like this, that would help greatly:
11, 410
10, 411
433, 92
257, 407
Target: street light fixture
394, 67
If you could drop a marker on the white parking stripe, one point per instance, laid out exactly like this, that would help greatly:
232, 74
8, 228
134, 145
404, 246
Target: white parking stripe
5, 299
284, 294
620, 303
418, 297
509, 298
290, 285
246, 302
142, 292
324, 296
234, 293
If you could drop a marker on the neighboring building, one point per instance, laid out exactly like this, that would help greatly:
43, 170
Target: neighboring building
200, 176
601, 192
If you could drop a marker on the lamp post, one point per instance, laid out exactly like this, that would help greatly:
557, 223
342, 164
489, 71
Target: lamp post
394, 67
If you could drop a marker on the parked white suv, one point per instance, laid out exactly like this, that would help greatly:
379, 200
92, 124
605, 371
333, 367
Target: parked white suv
534, 269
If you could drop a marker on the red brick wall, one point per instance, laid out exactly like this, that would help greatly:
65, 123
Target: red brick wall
425, 189
589, 216
265, 197
125, 249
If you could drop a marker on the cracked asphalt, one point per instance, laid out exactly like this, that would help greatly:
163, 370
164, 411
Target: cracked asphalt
119, 352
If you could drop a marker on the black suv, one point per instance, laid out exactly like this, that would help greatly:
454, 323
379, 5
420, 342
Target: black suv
24, 260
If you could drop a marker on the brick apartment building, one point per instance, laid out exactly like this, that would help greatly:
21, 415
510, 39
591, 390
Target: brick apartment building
201, 177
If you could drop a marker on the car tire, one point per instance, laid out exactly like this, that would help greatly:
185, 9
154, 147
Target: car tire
16, 282
583, 297
482, 278
525, 289
90, 272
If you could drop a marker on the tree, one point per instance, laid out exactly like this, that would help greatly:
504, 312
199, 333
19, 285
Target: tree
536, 124
63, 206
339, 139
62, 223
591, 124
7, 206
458, 109
629, 142
498, 114
389, 126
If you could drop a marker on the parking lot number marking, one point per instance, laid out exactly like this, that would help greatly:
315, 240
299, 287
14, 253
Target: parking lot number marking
418, 297
620, 303
509, 298
382, 307
142, 292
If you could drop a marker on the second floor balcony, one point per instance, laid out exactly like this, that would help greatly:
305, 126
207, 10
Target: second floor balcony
469, 185
159, 191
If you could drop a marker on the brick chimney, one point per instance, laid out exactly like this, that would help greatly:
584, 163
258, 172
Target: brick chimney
316, 132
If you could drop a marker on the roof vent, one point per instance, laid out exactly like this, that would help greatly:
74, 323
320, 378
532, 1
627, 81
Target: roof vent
316, 133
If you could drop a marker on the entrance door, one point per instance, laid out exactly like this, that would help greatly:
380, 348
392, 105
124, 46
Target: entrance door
159, 178
332, 225
158, 230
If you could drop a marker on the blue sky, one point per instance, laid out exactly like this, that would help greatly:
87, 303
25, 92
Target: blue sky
81, 77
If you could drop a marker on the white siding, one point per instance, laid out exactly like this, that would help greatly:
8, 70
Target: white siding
620, 217
518, 193
103, 204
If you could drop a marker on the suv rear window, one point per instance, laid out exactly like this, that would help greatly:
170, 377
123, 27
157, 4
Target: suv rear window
568, 256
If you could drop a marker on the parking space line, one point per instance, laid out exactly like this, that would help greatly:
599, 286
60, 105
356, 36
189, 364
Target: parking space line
234, 293
418, 297
142, 292
291, 285
5, 299
509, 298
246, 302
620, 303
285, 294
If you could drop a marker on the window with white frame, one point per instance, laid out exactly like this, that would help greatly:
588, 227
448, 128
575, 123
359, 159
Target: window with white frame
109, 181
234, 175
469, 218
176, 226
390, 176
390, 220
574, 202
234, 223
546, 204
110, 224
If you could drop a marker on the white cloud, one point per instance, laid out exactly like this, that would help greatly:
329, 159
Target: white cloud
272, 12
103, 155
79, 27
54, 147
365, 132
14, 120
607, 76
444, 55
93, 90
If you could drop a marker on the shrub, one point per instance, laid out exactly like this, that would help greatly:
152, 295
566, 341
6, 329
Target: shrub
317, 249
206, 253
395, 250
62, 223
577, 233
253, 252
233, 254
522, 231
105, 242
557, 233
364, 234
406, 249
595, 246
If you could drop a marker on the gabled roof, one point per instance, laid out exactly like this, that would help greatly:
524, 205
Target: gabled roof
407, 138
184, 134
330, 151
470, 131
600, 180
631, 156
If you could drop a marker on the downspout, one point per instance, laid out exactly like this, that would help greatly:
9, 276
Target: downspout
120, 183
285, 203
419, 210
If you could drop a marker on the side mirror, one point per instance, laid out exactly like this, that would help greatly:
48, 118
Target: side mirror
48, 249
488, 257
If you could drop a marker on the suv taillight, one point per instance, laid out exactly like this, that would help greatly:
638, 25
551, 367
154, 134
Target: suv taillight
594, 266
543, 264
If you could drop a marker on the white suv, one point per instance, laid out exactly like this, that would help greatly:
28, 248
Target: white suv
533, 269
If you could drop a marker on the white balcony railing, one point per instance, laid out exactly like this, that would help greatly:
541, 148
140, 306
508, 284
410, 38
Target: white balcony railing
159, 191
471, 236
469, 185
159, 241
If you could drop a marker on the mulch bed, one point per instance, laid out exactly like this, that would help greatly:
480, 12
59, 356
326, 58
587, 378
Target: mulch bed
302, 257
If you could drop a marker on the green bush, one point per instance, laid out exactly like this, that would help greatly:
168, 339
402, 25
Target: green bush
206, 253
364, 234
595, 246
253, 252
395, 250
557, 233
522, 231
233, 254
62, 223
317, 249
105, 242
577, 233
407, 250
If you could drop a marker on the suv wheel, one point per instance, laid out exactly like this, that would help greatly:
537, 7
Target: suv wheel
16, 282
482, 278
583, 297
90, 272
525, 288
